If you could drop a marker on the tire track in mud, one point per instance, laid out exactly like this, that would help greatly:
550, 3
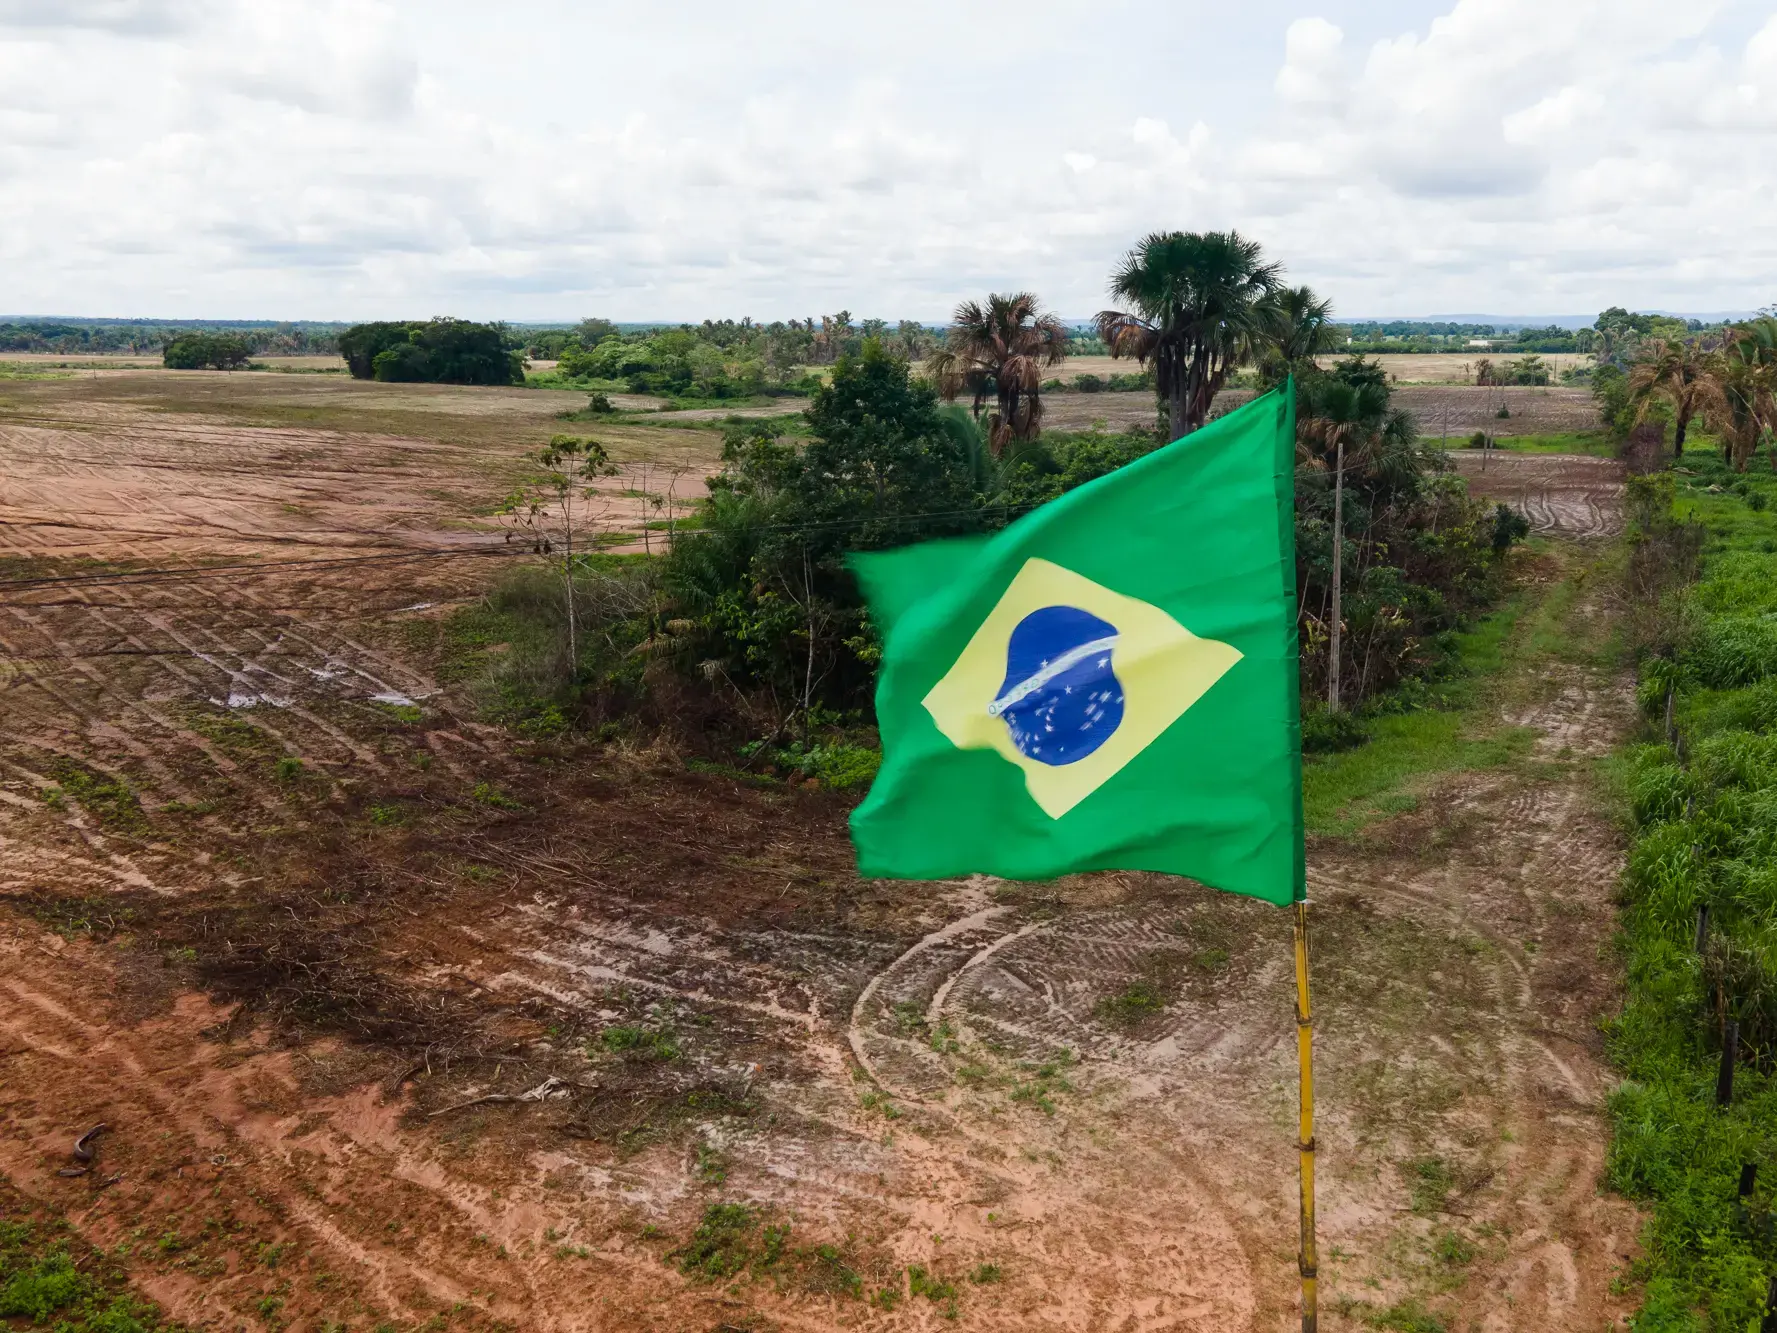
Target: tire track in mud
179, 651
1203, 1265
1564, 495
355, 1165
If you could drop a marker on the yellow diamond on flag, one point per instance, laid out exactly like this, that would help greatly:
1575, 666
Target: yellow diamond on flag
1070, 681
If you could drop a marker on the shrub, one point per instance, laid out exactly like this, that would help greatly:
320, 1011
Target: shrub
1509, 528
1325, 732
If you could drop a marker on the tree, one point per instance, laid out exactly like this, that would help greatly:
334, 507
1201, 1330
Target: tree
592, 332
1673, 371
361, 344
205, 351
765, 573
1197, 312
1740, 397
1001, 349
437, 351
1343, 414
1297, 326
881, 468
570, 465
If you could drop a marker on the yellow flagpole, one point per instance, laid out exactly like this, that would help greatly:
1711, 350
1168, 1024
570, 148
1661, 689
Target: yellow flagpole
1306, 1258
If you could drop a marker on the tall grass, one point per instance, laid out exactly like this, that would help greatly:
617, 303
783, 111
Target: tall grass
1703, 813
512, 646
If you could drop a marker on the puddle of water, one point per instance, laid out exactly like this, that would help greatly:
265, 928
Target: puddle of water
393, 697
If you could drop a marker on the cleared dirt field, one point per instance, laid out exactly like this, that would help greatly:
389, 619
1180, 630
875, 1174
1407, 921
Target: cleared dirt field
1459, 367
1404, 368
442, 1023
208, 464
1457, 412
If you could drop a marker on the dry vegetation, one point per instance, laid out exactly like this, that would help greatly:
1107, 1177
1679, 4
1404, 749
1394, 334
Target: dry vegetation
396, 1016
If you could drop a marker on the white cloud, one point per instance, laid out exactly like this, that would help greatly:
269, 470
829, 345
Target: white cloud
1313, 75
352, 158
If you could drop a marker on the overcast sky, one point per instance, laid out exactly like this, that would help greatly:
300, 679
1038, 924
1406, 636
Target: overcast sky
355, 159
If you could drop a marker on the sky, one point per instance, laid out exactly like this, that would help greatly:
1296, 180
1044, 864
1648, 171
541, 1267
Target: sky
363, 159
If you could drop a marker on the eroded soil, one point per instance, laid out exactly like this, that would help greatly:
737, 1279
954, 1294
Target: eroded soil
284, 987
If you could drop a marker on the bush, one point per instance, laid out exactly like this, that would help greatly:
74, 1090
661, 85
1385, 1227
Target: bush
1325, 732
205, 351
1509, 528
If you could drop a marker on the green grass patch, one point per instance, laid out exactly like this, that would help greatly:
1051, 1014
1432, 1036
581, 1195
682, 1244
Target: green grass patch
734, 1242
18, 372
1593, 442
48, 1278
1448, 727
109, 800
637, 1043
1141, 998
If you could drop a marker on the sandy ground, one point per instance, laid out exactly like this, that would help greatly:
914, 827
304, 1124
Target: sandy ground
280, 988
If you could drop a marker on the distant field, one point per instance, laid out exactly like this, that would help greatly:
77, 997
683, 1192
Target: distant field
61, 360
1452, 412
1406, 368
1458, 367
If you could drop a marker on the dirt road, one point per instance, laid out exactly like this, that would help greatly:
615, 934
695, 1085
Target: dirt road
285, 986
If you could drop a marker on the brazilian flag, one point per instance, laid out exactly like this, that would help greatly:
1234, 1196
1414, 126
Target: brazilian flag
1109, 683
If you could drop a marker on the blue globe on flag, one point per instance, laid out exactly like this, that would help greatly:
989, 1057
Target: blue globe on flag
1060, 699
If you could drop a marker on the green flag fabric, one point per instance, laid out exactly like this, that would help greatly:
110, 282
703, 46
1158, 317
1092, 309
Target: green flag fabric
1109, 683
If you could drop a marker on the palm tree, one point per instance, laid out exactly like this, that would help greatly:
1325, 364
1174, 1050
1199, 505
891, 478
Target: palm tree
1196, 314
1677, 372
1345, 414
1297, 326
1001, 348
1739, 393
